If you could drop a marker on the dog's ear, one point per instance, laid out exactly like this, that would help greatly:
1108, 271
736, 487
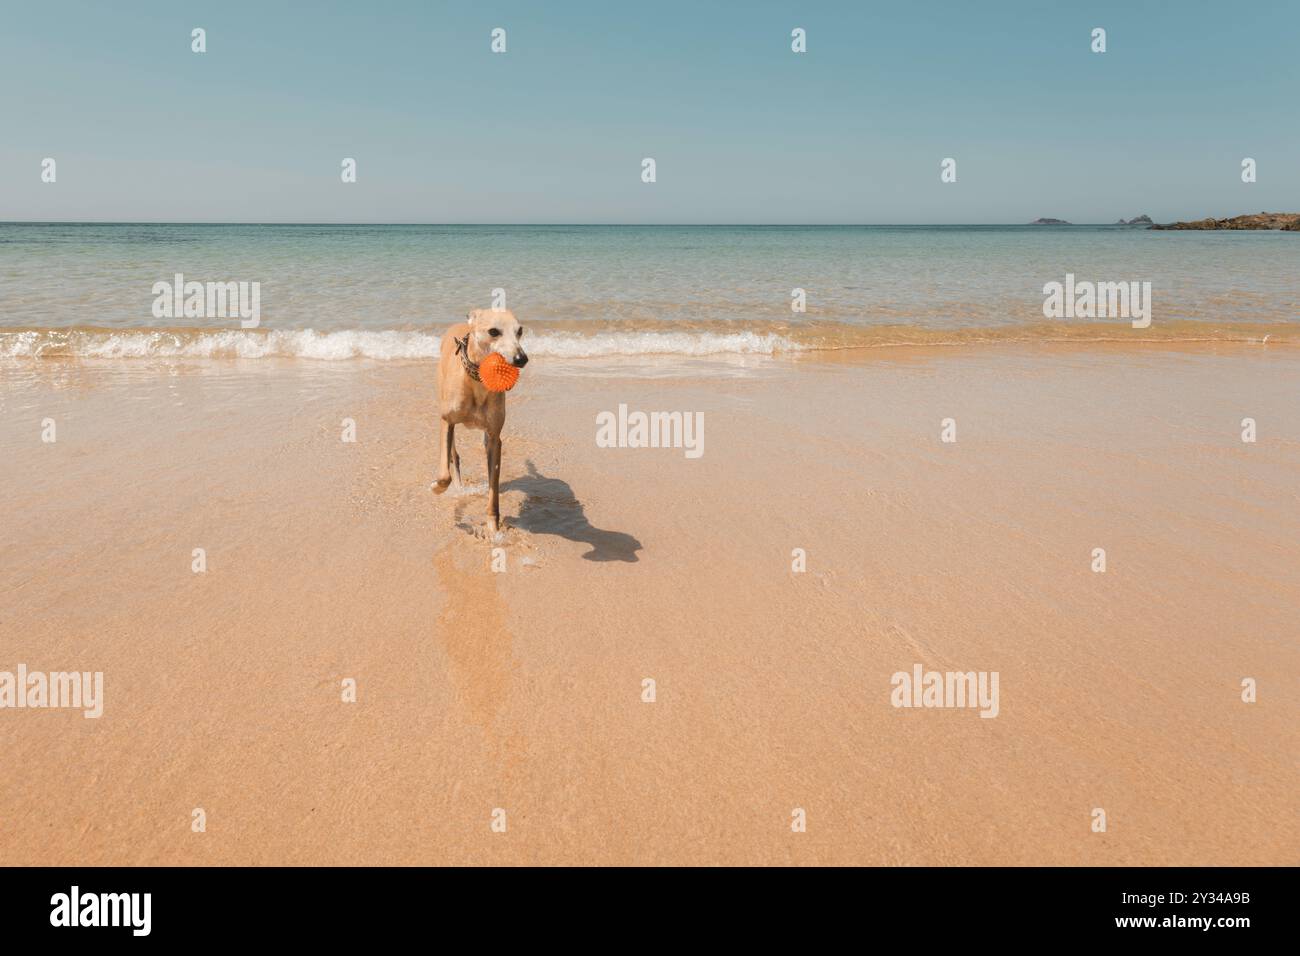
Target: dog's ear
473, 317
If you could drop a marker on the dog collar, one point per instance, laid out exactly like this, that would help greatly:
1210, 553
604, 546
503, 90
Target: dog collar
462, 349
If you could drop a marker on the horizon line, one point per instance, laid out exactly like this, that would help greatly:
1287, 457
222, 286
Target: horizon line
667, 225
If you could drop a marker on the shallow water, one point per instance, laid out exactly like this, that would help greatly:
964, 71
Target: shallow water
344, 291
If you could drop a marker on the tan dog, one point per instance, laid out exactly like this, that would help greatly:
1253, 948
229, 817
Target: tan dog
462, 399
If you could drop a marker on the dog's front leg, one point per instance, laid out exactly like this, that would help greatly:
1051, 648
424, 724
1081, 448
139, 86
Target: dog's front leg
493, 444
446, 449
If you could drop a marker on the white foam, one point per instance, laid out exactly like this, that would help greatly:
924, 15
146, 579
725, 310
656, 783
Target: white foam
356, 343
231, 343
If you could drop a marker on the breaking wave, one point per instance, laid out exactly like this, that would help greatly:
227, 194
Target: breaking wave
761, 338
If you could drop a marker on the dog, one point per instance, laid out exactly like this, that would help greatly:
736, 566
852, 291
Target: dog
462, 399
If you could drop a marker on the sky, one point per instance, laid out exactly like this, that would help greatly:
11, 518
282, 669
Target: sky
554, 130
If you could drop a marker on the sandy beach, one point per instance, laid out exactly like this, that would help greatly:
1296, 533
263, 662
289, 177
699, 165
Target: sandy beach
522, 690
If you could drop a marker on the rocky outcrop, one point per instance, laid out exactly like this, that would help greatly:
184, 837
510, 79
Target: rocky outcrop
1285, 221
1143, 220
1049, 222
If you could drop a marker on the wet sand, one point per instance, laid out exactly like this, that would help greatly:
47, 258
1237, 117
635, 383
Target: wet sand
476, 690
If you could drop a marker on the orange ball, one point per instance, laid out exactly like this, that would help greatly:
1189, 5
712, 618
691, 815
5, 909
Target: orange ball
496, 374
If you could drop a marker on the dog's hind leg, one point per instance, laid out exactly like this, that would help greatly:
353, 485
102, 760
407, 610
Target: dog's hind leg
446, 452
455, 464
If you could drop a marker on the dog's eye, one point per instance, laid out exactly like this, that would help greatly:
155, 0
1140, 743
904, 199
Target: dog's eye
520, 333
494, 332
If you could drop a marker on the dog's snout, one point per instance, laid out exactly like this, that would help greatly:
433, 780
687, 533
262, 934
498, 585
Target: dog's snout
520, 360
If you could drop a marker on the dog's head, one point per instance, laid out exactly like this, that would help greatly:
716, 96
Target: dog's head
497, 330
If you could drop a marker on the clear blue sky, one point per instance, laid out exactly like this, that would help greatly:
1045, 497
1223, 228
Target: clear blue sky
743, 130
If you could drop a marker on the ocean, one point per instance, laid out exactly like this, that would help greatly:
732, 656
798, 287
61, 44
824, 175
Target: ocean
333, 292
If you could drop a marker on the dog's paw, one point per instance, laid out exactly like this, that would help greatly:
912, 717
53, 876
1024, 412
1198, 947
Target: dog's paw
439, 485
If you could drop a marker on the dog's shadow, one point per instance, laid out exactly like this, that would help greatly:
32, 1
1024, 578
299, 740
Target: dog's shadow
550, 507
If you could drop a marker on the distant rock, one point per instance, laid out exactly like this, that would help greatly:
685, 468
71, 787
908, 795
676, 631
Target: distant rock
1049, 222
1285, 221
1142, 220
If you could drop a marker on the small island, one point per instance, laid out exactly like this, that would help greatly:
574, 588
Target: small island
1284, 221
1049, 222
1143, 220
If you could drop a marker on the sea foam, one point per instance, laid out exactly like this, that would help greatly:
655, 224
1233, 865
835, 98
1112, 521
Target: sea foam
362, 344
